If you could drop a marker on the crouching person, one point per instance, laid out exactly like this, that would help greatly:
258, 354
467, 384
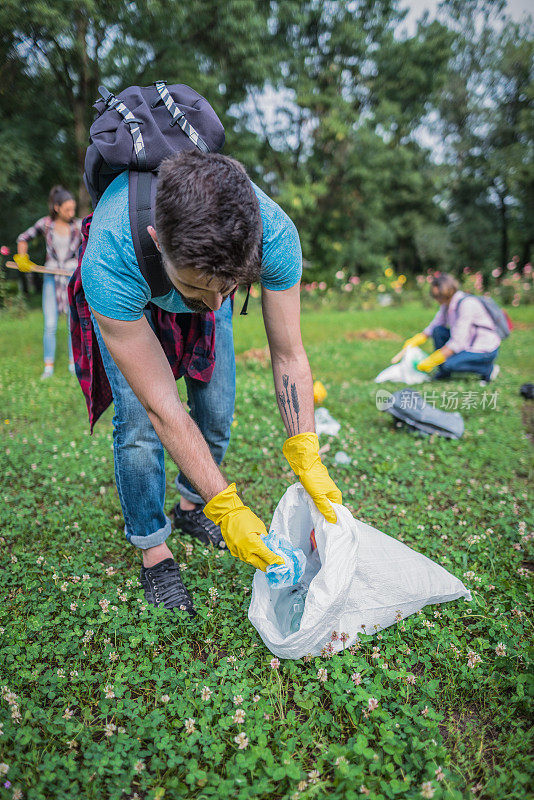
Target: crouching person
465, 336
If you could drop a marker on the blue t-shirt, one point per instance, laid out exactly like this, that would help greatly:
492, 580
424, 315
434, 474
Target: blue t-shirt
111, 278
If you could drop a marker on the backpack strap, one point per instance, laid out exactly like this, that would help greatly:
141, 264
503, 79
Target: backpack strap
133, 123
244, 312
141, 204
179, 117
485, 327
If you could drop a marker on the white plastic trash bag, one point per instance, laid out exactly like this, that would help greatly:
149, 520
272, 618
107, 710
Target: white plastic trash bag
406, 370
358, 580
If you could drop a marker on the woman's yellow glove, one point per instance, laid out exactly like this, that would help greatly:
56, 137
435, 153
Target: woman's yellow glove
433, 360
414, 341
23, 262
302, 453
241, 529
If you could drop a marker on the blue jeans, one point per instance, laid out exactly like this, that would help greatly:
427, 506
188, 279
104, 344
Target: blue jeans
138, 452
464, 361
50, 320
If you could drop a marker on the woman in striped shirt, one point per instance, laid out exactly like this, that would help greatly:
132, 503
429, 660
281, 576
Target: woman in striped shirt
61, 231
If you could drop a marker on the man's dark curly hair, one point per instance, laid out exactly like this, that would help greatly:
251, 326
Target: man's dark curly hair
208, 217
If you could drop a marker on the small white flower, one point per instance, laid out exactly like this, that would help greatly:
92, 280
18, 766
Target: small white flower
239, 716
165, 698
238, 700
4, 768
109, 729
108, 691
322, 675
241, 741
501, 649
314, 776
67, 714
189, 725
206, 693
427, 790
473, 659
139, 766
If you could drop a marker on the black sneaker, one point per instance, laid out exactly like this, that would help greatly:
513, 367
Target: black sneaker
163, 586
195, 523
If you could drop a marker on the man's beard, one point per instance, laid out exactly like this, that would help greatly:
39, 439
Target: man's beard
193, 305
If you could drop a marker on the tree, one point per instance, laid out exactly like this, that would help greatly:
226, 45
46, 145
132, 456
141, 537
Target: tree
62, 50
487, 119
342, 155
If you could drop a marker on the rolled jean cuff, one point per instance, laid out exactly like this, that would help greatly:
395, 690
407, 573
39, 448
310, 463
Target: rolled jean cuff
187, 493
153, 539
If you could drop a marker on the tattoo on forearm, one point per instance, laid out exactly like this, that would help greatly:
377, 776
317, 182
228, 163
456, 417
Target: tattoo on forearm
289, 403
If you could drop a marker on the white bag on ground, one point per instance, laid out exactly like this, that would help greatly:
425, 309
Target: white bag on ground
360, 580
325, 422
405, 371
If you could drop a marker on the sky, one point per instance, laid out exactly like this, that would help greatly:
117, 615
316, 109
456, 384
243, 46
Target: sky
517, 9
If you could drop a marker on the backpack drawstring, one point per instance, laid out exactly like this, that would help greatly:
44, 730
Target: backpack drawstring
243, 312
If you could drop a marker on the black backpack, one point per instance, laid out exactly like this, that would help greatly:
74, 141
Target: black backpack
135, 131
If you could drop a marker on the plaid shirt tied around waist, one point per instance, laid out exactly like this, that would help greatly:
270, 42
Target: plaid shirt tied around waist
188, 341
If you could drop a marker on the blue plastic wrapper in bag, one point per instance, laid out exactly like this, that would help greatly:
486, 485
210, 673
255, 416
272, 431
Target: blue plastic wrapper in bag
291, 571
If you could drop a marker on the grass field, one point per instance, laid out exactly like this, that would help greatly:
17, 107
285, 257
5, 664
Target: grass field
114, 700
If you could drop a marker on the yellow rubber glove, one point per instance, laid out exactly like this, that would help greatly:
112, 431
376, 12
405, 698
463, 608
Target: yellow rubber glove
23, 262
433, 360
414, 341
241, 529
302, 453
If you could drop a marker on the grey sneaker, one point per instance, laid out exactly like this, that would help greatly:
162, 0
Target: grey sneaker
493, 375
163, 586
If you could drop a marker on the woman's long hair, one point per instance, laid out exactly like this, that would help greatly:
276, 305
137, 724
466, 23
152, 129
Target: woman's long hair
58, 195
